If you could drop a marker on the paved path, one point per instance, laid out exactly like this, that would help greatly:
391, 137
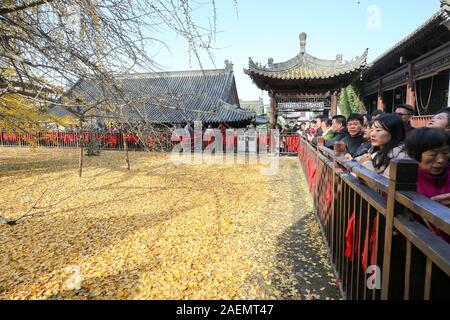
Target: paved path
301, 256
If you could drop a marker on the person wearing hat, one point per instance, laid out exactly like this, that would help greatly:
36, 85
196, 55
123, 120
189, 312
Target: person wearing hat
405, 111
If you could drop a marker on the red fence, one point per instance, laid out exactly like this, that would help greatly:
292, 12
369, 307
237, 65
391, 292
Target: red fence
155, 140
376, 247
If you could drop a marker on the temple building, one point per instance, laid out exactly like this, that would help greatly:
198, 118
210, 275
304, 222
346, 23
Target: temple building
304, 83
416, 70
178, 97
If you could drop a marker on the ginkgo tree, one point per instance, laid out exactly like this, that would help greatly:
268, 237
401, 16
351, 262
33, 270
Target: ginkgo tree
48, 45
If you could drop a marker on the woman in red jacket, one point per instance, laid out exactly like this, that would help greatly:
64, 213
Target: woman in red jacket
430, 147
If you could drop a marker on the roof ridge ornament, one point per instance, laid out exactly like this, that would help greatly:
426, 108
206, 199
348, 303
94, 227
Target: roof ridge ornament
303, 37
445, 10
228, 65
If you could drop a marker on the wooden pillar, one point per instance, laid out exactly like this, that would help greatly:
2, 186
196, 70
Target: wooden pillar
273, 111
380, 103
410, 93
334, 102
402, 177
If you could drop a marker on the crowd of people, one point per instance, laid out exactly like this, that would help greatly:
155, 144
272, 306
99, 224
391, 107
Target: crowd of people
374, 140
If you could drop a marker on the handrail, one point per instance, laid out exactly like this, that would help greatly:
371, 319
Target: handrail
377, 213
377, 201
155, 140
435, 248
432, 211
379, 181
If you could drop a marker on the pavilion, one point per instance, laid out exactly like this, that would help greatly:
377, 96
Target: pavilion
304, 83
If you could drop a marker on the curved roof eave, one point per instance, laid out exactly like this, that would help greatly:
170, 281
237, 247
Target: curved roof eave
316, 70
311, 62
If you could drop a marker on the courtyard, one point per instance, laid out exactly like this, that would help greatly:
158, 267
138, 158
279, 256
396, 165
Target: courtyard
158, 231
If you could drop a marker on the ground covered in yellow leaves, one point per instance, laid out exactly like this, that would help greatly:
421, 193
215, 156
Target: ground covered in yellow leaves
159, 231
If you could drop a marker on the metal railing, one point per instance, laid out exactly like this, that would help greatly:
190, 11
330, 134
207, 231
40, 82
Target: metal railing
420, 121
377, 248
154, 140
158, 140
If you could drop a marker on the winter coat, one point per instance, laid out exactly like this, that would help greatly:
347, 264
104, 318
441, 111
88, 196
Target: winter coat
326, 136
352, 143
430, 186
362, 149
338, 136
397, 152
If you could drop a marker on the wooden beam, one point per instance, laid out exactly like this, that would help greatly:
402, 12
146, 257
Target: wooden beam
273, 117
334, 102
380, 103
410, 92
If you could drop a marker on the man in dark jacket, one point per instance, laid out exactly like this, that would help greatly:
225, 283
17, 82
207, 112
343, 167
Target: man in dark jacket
405, 111
355, 138
339, 124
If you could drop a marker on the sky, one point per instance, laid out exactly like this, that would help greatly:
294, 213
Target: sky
263, 29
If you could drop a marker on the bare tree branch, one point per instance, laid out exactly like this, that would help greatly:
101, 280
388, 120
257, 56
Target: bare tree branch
23, 6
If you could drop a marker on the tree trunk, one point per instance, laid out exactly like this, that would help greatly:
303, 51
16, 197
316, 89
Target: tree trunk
81, 139
125, 146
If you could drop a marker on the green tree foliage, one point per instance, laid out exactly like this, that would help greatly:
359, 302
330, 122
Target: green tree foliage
344, 104
350, 100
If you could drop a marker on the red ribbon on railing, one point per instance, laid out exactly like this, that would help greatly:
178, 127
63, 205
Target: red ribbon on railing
229, 140
68, 137
372, 244
208, 138
300, 150
308, 169
311, 171
111, 140
352, 245
292, 143
150, 141
328, 194
132, 138
350, 248
174, 140
312, 182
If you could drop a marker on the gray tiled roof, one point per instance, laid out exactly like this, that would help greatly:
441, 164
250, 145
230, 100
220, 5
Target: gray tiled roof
176, 97
306, 67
